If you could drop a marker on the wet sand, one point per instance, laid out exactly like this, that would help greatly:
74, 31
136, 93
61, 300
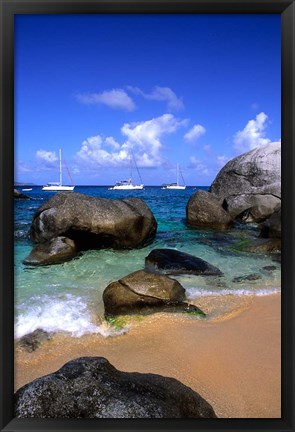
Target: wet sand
233, 360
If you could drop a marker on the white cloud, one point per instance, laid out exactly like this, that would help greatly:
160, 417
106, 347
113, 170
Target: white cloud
145, 136
93, 141
253, 134
115, 98
194, 133
23, 167
210, 164
75, 170
45, 161
199, 165
46, 156
142, 138
92, 154
119, 99
110, 141
158, 93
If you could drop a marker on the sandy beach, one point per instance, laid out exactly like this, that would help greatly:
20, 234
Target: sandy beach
233, 360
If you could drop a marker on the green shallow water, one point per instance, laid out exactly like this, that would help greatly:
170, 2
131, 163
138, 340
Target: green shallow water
68, 297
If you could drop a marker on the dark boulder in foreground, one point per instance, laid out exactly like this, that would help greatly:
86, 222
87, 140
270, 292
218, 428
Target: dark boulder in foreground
94, 223
30, 342
145, 292
54, 251
171, 261
90, 387
18, 195
205, 211
251, 179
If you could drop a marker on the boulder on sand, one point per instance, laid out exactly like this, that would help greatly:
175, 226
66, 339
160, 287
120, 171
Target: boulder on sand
30, 342
142, 291
90, 387
94, 223
171, 261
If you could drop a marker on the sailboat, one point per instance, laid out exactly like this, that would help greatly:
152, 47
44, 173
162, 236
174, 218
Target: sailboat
127, 184
175, 185
58, 186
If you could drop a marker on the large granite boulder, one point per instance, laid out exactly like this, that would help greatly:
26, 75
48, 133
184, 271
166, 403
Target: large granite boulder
142, 291
90, 387
94, 223
171, 261
53, 251
204, 210
251, 179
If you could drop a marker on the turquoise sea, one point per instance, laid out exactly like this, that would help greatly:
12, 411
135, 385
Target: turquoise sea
68, 297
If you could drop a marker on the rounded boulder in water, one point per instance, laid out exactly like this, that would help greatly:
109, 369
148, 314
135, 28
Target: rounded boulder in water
205, 211
54, 251
94, 223
171, 261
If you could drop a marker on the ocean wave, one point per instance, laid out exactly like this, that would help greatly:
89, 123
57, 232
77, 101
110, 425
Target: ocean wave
193, 293
65, 313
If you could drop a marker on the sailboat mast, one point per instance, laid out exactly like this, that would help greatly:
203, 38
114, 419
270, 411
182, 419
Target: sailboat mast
60, 171
136, 168
182, 177
177, 174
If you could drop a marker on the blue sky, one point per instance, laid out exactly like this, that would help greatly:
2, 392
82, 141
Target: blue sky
196, 90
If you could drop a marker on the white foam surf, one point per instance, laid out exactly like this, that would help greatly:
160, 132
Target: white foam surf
192, 293
65, 313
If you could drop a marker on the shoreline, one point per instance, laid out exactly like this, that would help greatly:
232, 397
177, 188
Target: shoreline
233, 360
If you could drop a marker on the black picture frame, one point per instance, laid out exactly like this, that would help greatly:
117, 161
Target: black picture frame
8, 8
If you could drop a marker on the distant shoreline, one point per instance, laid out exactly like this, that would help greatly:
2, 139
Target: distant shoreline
155, 186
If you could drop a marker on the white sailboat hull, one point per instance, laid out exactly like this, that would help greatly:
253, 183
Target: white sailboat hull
127, 184
57, 188
176, 187
127, 187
